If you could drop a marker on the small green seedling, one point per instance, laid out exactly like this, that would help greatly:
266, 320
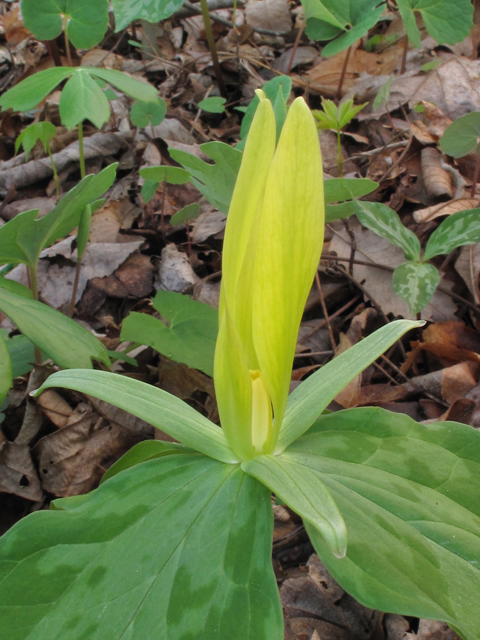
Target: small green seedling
461, 138
447, 21
144, 113
336, 118
213, 104
176, 542
189, 337
416, 280
45, 132
185, 216
383, 94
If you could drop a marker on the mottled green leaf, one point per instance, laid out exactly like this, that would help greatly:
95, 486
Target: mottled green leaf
62, 339
455, 231
409, 496
214, 181
191, 333
145, 113
28, 93
302, 490
43, 131
161, 409
461, 137
82, 99
126, 11
386, 223
447, 21
213, 104
415, 283
87, 20
176, 547
311, 397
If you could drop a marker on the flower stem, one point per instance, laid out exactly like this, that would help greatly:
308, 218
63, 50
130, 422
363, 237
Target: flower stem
81, 150
213, 47
54, 169
339, 155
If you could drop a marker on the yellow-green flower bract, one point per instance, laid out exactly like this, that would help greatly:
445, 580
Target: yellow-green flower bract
273, 241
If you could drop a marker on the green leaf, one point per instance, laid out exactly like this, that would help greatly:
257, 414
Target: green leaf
153, 176
446, 21
340, 189
213, 104
23, 238
87, 24
270, 89
28, 93
386, 223
186, 215
383, 94
430, 66
22, 355
126, 11
409, 496
6, 371
339, 211
155, 406
311, 397
145, 113
43, 131
65, 341
176, 547
303, 491
143, 451
455, 231
347, 111
16, 287
191, 333
125, 83
350, 20
214, 181
461, 137
415, 283
82, 99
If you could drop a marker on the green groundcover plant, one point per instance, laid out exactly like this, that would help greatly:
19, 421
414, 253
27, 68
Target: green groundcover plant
176, 541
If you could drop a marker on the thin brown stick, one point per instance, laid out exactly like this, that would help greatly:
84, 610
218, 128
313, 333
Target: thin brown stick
342, 75
325, 311
213, 48
333, 315
295, 47
329, 352
403, 66
475, 177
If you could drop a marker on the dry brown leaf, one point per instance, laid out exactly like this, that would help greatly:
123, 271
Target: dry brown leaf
468, 266
55, 407
451, 340
433, 630
175, 272
109, 219
316, 603
134, 278
324, 77
436, 179
269, 14
102, 58
15, 31
444, 209
44, 206
17, 473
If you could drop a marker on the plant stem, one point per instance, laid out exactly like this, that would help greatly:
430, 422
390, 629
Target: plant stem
404, 56
54, 169
342, 75
67, 41
75, 287
32, 277
295, 47
213, 48
339, 155
475, 177
81, 152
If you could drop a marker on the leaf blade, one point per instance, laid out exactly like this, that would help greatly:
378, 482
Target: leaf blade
155, 406
416, 283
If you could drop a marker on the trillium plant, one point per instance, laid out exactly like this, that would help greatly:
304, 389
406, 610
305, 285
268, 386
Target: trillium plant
176, 542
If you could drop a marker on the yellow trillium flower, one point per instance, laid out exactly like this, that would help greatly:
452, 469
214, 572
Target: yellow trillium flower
273, 241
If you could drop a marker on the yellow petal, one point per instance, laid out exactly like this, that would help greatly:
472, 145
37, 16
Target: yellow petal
244, 209
289, 237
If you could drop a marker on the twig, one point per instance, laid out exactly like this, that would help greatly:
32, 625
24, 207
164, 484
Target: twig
213, 48
329, 352
295, 47
342, 75
404, 55
334, 315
